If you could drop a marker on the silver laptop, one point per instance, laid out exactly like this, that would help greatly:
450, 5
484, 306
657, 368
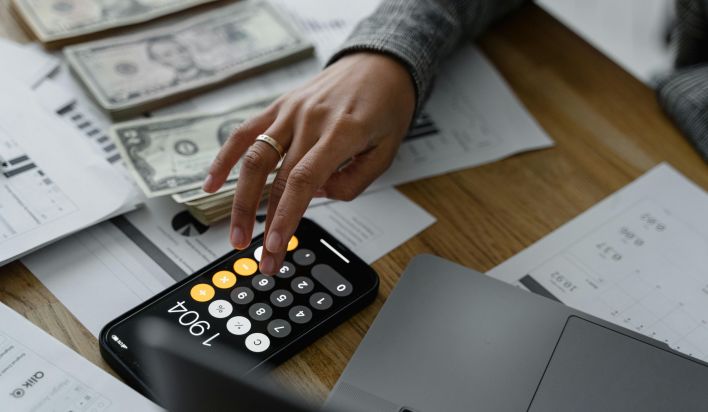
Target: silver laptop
451, 339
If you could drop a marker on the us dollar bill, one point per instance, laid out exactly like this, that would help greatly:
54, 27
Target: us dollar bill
173, 154
133, 74
54, 21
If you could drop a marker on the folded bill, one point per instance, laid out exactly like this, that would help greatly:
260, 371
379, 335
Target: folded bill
132, 74
56, 22
172, 154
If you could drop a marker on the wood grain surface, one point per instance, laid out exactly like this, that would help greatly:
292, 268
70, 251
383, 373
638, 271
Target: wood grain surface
608, 129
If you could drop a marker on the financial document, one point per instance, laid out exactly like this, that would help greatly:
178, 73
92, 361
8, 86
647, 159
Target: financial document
633, 33
638, 259
45, 193
40, 374
108, 269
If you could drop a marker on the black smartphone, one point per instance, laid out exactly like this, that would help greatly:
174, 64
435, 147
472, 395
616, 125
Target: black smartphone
231, 306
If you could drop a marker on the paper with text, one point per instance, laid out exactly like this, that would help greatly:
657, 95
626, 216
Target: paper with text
638, 259
40, 374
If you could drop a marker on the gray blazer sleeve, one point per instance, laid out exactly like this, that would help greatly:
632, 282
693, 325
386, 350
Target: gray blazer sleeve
420, 33
683, 94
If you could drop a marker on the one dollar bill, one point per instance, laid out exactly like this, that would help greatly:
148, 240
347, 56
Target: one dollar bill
58, 21
132, 74
173, 154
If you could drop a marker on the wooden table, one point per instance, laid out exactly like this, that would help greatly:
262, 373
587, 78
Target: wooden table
608, 129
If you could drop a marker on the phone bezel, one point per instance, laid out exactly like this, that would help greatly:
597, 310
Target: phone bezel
336, 317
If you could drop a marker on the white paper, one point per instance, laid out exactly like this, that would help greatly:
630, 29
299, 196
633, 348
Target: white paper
26, 63
638, 259
327, 27
50, 184
40, 374
633, 33
108, 269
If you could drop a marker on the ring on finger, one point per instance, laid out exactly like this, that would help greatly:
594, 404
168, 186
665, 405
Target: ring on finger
272, 143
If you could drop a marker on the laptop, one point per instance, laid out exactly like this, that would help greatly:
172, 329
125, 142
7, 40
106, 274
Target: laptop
451, 339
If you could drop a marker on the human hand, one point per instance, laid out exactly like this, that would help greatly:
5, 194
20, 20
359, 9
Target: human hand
341, 130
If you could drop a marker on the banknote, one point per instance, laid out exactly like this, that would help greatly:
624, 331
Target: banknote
54, 21
193, 195
132, 74
172, 154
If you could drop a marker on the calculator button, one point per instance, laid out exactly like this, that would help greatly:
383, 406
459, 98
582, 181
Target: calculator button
224, 279
245, 266
263, 283
257, 342
220, 309
304, 257
279, 328
332, 280
281, 298
292, 244
238, 325
321, 301
242, 295
258, 253
302, 285
286, 271
260, 311
300, 314
202, 292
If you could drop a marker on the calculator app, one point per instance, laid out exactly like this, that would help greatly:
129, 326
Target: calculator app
231, 304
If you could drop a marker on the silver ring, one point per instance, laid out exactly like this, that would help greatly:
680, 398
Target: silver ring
272, 143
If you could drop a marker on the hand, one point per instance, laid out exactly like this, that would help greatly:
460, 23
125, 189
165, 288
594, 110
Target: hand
341, 130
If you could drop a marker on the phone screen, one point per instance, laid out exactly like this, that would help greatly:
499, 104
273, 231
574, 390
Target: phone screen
231, 305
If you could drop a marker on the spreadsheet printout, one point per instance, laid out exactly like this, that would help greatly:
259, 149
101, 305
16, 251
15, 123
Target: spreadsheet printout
638, 259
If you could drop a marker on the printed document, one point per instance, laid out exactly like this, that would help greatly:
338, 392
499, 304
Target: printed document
40, 374
50, 185
638, 259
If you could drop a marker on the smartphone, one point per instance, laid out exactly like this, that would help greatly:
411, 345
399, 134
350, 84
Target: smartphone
231, 306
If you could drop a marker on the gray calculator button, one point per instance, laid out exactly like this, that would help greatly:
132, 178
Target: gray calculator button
242, 295
260, 311
300, 314
263, 283
304, 257
281, 298
302, 285
279, 328
286, 271
332, 280
321, 301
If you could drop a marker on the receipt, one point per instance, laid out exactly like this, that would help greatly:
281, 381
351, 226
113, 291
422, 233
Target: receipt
38, 374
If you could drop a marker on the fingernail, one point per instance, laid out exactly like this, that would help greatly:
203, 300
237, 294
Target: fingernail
320, 193
207, 183
273, 242
238, 236
268, 265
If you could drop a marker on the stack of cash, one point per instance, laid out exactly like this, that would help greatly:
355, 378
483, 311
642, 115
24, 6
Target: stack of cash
132, 74
172, 155
59, 22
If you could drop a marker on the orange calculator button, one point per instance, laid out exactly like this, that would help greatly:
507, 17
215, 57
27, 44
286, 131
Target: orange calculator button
292, 244
245, 266
202, 292
223, 279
